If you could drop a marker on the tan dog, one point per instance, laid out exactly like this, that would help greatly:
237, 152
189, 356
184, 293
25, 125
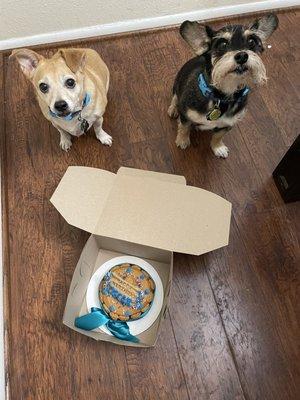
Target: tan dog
71, 89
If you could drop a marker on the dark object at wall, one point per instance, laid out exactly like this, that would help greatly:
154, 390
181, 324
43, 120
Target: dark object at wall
287, 173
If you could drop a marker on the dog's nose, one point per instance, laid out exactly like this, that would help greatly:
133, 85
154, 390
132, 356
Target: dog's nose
61, 105
241, 57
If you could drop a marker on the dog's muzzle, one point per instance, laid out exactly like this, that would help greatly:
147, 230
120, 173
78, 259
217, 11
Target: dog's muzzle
61, 107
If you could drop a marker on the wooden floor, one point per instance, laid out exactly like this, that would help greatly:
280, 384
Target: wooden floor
232, 330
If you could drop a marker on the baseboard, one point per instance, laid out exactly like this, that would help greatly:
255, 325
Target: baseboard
145, 23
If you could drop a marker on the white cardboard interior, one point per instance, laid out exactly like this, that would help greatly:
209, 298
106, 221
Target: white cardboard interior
98, 250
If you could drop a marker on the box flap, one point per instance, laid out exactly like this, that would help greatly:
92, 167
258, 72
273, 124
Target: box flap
151, 174
82, 192
81, 195
138, 208
165, 215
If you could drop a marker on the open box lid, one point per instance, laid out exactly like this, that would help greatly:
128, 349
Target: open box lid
144, 207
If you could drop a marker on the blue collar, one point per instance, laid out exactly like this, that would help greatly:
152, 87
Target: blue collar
69, 117
209, 92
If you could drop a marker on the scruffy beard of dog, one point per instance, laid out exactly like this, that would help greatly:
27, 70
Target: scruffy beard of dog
224, 80
229, 60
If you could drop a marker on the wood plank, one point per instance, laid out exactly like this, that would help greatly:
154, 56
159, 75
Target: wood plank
207, 362
209, 368
157, 373
255, 281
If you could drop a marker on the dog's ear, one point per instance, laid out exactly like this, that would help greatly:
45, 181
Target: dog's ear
74, 58
196, 35
265, 26
28, 60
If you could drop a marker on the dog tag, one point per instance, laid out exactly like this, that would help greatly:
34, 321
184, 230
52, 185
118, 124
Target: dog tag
84, 125
214, 114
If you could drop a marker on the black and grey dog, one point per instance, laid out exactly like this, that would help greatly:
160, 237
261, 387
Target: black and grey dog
211, 90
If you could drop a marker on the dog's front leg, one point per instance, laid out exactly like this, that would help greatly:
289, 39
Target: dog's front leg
217, 145
65, 139
101, 135
173, 110
183, 133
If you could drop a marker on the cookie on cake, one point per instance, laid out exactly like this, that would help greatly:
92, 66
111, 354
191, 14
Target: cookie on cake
126, 292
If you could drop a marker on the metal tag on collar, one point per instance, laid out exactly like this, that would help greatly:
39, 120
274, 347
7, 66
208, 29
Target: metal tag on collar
84, 126
215, 113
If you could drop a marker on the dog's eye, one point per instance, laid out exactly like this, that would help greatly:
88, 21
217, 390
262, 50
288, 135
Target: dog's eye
222, 45
44, 87
251, 42
70, 83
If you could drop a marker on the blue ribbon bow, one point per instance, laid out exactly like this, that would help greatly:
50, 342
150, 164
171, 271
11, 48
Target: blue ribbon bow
97, 318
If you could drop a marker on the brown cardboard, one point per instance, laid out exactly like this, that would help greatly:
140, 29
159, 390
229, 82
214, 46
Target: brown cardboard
141, 209
140, 213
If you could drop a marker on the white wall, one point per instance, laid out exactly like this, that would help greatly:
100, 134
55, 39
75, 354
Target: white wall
22, 18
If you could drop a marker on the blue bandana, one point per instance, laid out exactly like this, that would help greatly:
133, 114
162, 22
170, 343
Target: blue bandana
208, 91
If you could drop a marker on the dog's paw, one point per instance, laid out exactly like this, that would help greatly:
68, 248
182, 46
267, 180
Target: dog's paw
183, 143
65, 144
172, 112
104, 138
221, 151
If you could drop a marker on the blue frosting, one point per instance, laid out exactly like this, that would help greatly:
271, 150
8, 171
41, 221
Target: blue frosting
118, 296
128, 302
107, 275
105, 290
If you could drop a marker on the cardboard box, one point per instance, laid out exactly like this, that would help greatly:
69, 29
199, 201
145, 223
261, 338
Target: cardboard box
140, 213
